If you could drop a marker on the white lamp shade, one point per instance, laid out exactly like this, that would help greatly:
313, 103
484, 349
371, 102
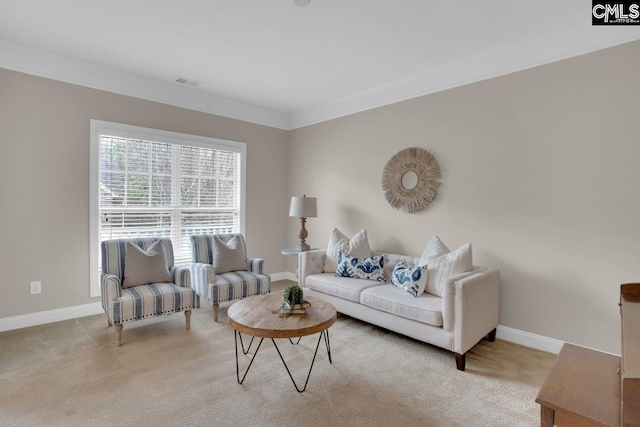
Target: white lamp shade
303, 207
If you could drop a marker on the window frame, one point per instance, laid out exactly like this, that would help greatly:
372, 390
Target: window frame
99, 127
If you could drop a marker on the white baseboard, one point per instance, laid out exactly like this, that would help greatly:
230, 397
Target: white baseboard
516, 336
285, 275
49, 316
57, 315
528, 339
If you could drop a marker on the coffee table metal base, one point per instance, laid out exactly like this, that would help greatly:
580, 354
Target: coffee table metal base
324, 334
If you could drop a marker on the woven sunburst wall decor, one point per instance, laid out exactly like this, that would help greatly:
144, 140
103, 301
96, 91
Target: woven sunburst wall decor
417, 195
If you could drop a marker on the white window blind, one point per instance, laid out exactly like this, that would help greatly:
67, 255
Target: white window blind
151, 187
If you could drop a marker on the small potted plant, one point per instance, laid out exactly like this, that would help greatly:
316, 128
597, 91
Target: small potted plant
291, 299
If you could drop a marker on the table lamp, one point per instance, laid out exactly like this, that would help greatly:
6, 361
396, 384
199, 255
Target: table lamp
303, 207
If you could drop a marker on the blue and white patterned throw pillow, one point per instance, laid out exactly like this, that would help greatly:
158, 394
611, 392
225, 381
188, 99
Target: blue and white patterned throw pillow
412, 280
361, 268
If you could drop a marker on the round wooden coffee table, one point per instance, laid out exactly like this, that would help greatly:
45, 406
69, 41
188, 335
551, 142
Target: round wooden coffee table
253, 316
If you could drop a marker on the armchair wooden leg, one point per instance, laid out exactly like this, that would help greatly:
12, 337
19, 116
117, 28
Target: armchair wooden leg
215, 311
492, 335
109, 324
197, 301
118, 330
461, 360
187, 316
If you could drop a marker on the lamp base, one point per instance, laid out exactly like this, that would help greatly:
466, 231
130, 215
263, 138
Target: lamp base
302, 235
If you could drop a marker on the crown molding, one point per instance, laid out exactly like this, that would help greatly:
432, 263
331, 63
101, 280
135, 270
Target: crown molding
572, 42
563, 45
28, 60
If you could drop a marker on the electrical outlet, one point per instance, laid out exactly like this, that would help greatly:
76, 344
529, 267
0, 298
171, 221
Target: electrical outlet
36, 288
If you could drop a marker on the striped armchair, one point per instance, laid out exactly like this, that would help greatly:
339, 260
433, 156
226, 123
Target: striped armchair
233, 285
141, 302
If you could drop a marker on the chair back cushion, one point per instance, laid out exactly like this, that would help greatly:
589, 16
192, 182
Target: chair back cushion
203, 246
229, 256
143, 267
114, 252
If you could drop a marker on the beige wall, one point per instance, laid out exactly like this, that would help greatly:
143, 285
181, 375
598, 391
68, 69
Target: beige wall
540, 172
44, 177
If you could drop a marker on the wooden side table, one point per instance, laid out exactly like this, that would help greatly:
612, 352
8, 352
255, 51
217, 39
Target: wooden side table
582, 389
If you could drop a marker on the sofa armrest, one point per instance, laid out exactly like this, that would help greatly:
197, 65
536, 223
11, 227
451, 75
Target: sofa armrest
470, 306
201, 275
181, 276
255, 265
310, 262
110, 288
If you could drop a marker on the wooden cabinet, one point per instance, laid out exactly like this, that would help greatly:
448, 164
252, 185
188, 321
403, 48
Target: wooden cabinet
591, 388
630, 364
582, 389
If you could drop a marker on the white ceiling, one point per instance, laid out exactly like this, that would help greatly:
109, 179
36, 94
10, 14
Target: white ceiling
272, 62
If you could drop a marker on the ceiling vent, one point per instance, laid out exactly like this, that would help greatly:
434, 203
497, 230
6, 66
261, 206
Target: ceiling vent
189, 82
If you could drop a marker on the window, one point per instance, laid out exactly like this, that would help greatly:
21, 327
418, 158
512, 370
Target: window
146, 182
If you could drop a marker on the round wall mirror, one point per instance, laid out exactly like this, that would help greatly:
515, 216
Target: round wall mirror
409, 179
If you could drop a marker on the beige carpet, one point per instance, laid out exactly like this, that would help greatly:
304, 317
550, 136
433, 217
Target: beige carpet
69, 373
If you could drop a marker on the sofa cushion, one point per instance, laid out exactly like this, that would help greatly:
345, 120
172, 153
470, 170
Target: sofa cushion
426, 308
361, 268
358, 247
342, 287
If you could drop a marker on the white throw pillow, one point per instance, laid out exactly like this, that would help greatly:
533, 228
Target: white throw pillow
441, 266
435, 248
357, 246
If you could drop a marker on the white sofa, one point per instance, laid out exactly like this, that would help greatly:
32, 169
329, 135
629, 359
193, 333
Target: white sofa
467, 312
